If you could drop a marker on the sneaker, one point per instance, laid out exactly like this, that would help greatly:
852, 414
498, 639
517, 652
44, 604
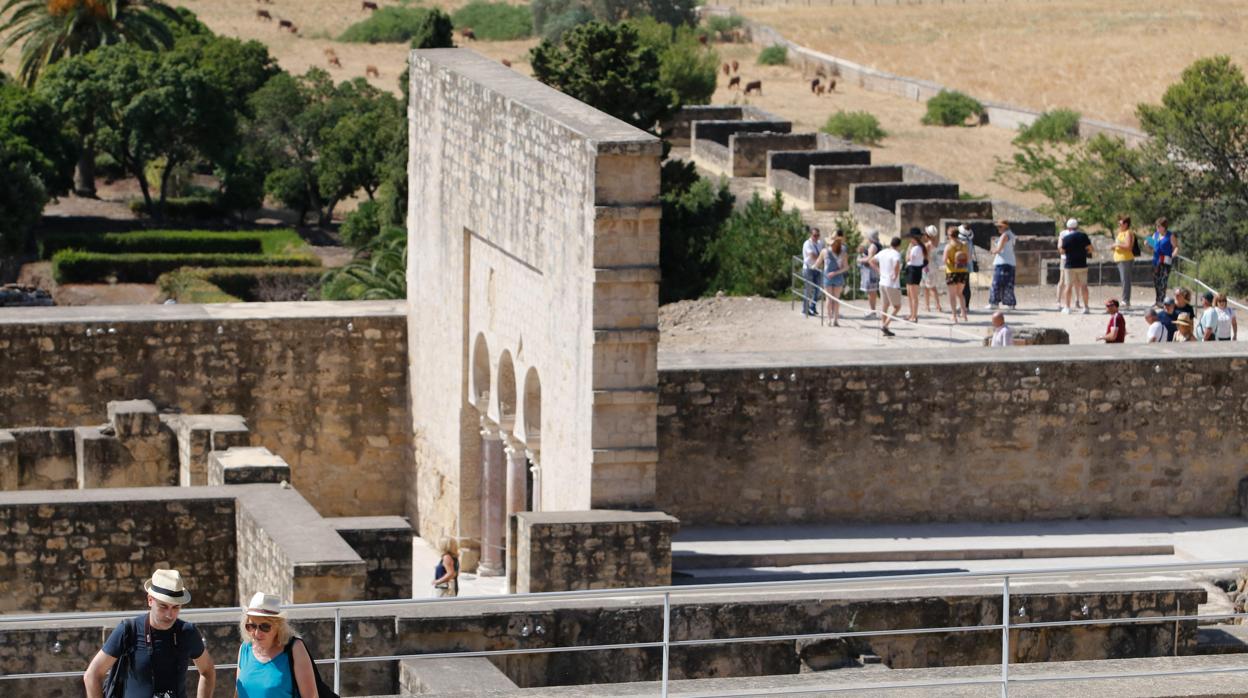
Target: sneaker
1065, 311
887, 332
1085, 310
990, 306
869, 316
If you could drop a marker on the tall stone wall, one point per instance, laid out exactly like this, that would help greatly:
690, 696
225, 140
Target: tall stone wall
1031, 433
533, 227
322, 384
830, 185
749, 150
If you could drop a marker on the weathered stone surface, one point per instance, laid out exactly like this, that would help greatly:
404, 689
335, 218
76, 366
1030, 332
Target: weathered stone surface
323, 384
246, 465
1033, 433
131, 418
385, 545
440, 676
559, 551
38, 459
200, 434
1037, 336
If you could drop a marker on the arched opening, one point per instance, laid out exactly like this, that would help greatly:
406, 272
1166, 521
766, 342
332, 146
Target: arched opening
506, 391
532, 408
479, 389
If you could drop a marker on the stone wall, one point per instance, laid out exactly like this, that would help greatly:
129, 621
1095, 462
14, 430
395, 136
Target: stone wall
37, 458
562, 551
84, 553
720, 131
799, 162
678, 129
920, 213
887, 194
1045, 433
534, 237
323, 384
385, 545
831, 185
749, 150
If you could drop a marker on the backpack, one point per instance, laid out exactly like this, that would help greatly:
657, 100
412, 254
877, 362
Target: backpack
322, 689
115, 682
1135, 245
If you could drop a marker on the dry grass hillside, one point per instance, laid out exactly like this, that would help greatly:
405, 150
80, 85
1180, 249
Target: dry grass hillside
1101, 57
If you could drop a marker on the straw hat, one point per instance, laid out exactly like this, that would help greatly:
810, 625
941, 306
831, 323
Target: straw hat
264, 605
166, 585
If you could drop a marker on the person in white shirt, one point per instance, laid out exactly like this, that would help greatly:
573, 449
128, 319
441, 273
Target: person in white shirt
811, 272
1002, 334
1156, 330
1003, 266
888, 263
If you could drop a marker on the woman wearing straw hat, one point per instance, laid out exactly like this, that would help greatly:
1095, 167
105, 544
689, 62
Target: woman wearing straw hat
272, 658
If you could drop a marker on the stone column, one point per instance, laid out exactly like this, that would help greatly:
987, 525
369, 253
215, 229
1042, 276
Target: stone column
493, 501
536, 469
517, 478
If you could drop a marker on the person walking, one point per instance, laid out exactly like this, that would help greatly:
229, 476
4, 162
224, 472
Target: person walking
916, 262
156, 648
888, 264
870, 275
1003, 268
446, 574
933, 271
835, 264
1165, 249
1156, 330
1116, 329
956, 260
1206, 326
1126, 247
273, 662
1076, 248
811, 273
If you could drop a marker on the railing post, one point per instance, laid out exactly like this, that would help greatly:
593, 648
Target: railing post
1005, 636
338, 651
667, 635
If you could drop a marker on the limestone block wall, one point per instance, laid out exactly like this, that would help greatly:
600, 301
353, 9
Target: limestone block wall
1041, 433
887, 194
533, 228
830, 185
201, 434
84, 553
709, 141
37, 458
385, 545
921, 213
749, 150
562, 551
678, 129
800, 161
323, 384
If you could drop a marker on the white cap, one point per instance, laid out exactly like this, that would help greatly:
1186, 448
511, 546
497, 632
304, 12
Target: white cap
931, 230
1071, 223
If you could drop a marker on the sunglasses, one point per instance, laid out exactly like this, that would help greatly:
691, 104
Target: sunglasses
262, 627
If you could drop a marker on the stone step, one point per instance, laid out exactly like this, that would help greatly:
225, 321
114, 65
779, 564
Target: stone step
688, 560
1222, 639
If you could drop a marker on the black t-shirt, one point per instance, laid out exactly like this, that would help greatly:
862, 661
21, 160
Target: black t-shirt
1075, 246
1187, 310
162, 667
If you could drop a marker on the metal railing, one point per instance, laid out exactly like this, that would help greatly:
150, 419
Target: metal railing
1005, 623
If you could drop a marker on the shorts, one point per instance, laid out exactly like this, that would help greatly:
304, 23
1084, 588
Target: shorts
914, 275
834, 280
890, 295
957, 277
1077, 276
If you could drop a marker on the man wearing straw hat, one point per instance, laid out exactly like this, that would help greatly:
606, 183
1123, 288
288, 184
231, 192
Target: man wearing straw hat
154, 649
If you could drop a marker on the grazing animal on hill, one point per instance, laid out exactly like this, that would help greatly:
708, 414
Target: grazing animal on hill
467, 33
727, 69
264, 15
820, 89
267, 2
735, 66
284, 24
754, 86
369, 6
330, 53
293, 29
333, 60
734, 82
832, 85
371, 71
815, 85
506, 62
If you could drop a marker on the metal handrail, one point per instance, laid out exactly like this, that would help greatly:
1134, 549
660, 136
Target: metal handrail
1207, 287
666, 642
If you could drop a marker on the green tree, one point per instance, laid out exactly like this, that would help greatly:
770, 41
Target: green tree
22, 198
286, 129
379, 271
32, 133
607, 68
694, 210
687, 69
369, 131
434, 30
752, 253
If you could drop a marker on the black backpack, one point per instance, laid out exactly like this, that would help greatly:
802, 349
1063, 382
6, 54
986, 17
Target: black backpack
322, 689
115, 682
1135, 245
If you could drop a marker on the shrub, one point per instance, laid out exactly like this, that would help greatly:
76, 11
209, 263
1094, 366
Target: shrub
495, 21
175, 242
1057, 126
721, 27
753, 251
361, 225
389, 25
694, 210
773, 55
857, 126
189, 208
434, 31
1225, 271
75, 266
249, 284
951, 108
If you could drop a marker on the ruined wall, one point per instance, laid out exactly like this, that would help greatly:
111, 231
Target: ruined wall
562, 551
831, 184
384, 543
887, 194
1033, 433
920, 213
749, 150
533, 227
322, 384
37, 459
92, 553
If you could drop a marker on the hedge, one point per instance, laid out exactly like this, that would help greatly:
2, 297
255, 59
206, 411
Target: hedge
175, 242
233, 284
184, 208
74, 266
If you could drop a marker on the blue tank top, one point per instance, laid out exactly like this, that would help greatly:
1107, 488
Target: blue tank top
257, 679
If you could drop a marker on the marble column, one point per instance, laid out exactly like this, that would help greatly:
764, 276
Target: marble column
493, 501
536, 469
517, 478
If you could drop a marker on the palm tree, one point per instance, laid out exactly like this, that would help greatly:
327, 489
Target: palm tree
378, 272
50, 30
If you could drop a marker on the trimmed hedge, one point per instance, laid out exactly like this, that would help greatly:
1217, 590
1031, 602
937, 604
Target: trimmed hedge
185, 288
74, 266
235, 284
175, 242
184, 208
495, 21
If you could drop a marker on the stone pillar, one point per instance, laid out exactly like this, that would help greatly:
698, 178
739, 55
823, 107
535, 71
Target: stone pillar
517, 478
536, 469
493, 501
